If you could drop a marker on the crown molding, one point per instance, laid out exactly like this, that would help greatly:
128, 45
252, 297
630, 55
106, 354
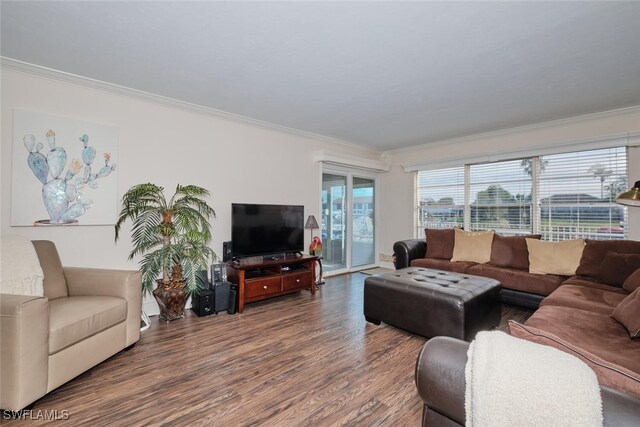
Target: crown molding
338, 159
37, 70
520, 129
626, 139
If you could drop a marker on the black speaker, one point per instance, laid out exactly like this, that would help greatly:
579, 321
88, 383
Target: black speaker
218, 273
203, 302
227, 251
233, 299
221, 291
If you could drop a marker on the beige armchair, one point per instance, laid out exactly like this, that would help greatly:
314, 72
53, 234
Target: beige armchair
86, 316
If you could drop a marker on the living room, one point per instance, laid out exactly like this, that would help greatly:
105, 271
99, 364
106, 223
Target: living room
266, 146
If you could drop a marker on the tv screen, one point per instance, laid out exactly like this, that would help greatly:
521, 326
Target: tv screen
266, 229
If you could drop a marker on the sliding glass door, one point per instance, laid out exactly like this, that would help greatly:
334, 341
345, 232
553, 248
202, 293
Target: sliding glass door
348, 221
334, 191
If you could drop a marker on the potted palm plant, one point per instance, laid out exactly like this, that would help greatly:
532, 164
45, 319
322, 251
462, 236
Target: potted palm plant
173, 237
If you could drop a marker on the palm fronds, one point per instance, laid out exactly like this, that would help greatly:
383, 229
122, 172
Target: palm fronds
168, 234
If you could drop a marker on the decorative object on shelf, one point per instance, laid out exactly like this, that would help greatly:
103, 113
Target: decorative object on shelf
85, 193
315, 248
312, 224
173, 238
631, 197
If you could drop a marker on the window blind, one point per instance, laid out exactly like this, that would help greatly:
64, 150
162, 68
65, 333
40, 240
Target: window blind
439, 199
500, 196
577, 194
561, 196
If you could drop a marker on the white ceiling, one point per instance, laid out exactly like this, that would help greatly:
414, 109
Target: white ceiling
383, 75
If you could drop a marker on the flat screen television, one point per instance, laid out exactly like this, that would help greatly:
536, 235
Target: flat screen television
266, 229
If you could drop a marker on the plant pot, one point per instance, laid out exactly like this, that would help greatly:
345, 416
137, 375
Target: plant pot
171, 300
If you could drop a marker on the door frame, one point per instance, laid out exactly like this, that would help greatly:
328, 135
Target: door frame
350, 173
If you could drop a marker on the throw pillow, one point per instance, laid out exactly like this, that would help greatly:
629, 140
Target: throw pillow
617, 267
511, 251
439, 243
595, 251
628, 313
562, 258
633, 282
472, 246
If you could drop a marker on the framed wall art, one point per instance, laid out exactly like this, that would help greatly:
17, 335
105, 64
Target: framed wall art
64, 171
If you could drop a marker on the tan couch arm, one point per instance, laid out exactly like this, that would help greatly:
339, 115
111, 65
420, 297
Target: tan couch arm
24, 350
125, 284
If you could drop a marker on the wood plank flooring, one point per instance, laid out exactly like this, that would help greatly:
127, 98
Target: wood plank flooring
297, 360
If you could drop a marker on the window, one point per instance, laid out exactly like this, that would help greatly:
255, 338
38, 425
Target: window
561, 196
500, 197
577, 193
440, 199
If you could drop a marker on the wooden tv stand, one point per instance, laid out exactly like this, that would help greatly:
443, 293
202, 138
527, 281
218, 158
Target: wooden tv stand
260, 278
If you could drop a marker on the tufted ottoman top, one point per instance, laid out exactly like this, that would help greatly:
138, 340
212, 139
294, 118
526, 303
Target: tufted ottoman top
431, 302
445, 284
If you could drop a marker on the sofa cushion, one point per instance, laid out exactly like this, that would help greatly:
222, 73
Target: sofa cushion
441, 264
597, 339
55, 285
511, 251
74, 319
616, 268
595, 251
554, 257
472, 246
628, 313
519, 280
592, 282
584, 298
439, 243
633, 282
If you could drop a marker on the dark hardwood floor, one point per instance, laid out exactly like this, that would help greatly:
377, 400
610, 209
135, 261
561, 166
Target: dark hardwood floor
292, 361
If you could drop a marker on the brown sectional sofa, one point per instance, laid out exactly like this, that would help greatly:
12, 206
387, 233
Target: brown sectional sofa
574, 312
509, 264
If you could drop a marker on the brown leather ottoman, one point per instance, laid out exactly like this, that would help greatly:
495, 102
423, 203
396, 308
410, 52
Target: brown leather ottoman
432, 302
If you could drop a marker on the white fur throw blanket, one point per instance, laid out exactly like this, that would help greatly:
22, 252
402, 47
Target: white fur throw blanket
514, 382
20, 271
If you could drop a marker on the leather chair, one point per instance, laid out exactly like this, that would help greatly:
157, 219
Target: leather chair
86, 316
440, 380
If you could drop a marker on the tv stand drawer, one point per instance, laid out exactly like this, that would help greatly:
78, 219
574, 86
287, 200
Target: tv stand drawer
296, 281
261, 287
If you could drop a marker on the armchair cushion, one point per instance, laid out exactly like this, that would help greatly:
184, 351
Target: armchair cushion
21, 270
55, 285
74, 319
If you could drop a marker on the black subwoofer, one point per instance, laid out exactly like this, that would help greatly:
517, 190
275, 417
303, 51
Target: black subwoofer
203, 302
222, 291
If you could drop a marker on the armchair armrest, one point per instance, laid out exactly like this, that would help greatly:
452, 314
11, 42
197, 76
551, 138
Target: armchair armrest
440, 379
440, 376
125, 284
407, 250
24, 350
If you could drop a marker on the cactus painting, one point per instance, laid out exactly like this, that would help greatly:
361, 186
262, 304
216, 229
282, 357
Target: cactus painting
69, 173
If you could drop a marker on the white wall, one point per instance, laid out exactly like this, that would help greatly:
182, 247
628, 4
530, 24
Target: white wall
236, 161
240, 162
396, 187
